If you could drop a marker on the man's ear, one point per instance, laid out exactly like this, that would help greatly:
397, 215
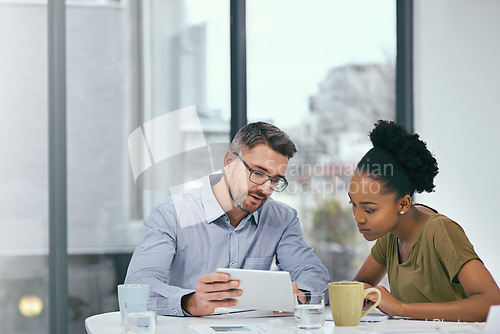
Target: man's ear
228, 158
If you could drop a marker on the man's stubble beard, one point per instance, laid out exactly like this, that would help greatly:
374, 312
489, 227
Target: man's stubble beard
239, 201
239, 204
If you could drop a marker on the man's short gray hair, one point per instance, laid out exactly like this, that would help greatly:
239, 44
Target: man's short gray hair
263, 133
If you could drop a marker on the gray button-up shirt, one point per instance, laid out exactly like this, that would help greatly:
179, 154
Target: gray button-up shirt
189, 235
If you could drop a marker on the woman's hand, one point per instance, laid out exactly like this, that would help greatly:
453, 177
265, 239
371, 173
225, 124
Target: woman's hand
388, 303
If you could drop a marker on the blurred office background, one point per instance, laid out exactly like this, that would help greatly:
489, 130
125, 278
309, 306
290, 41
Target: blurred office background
323, 70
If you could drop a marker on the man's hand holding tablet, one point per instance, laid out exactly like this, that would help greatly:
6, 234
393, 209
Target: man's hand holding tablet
219, 290
213, 290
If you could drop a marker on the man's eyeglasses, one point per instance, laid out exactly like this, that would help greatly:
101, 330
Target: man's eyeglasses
258, 177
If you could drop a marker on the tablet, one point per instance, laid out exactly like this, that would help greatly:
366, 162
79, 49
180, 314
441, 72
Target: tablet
263, 289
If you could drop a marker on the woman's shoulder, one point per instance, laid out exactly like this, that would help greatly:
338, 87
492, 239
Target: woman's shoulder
439, 223
436, 219
441, 219
449, 240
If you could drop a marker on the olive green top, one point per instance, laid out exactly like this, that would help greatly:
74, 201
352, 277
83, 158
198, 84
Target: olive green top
430, 272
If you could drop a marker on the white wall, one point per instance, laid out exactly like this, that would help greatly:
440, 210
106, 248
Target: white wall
457, 112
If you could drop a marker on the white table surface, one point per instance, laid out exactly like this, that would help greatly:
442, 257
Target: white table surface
110, 323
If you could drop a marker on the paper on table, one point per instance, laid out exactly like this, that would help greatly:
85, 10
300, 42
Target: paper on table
493, 320
430, 326
254, 328
374, 316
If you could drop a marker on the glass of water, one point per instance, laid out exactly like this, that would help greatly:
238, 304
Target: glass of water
140, 317
309, 311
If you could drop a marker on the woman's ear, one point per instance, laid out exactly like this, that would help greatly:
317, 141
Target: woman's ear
405, 203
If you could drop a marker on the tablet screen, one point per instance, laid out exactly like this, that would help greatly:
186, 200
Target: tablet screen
263, 289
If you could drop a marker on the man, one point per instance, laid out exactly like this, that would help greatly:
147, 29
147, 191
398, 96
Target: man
229, 222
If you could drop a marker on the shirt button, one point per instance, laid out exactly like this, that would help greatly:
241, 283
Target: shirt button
175, 311
233, 233
232, 263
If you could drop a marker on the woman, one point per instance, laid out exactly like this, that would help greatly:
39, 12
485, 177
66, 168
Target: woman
433, 270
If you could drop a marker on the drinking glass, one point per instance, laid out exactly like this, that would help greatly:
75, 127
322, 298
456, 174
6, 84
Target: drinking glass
311, 313
129, 293
140, 317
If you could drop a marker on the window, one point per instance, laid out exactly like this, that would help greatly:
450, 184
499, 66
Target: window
324, 72
131, 65
24, 275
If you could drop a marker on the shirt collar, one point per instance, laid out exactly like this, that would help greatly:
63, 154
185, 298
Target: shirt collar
212, 207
